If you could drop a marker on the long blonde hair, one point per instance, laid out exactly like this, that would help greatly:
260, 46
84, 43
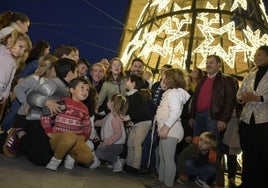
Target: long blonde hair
45, 65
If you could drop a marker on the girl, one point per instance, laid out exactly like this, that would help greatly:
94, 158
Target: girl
13, 51
45, 70
169, 128
113, 132
13, 20
114, 83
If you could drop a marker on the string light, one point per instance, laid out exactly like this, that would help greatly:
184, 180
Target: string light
242, 3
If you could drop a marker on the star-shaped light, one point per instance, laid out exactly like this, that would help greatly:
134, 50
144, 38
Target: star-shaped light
255, 39
242, 3
162, 4
206, 48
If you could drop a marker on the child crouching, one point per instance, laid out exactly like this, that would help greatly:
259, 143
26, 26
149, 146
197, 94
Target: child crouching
69, 130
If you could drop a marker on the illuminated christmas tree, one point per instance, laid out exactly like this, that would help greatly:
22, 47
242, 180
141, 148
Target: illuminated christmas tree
183, 33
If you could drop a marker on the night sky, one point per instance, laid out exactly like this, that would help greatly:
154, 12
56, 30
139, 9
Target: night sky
94, 27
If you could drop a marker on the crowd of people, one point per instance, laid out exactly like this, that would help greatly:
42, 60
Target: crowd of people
59, 108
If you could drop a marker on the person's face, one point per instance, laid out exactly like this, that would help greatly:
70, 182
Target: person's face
194, 73
130, 85
110, 105
212, 66
19, 49
146, 76
162, 83
137, 68
97, 73
203, 145
82, 70
46, 51
71, 75
116, 67
80, 92
24, 26
261, 58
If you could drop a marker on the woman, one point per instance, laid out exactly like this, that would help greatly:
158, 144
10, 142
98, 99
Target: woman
253, 94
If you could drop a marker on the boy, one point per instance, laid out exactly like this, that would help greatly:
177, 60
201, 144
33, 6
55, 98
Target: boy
201, 160
69, 130
138, 118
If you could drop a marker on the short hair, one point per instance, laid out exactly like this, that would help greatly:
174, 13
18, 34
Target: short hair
61, 50
74, 82
137, 59
264, 48
139, 82
83, 61
216, 57
63, 66
209, 138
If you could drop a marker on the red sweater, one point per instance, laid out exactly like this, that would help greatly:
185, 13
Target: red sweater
74, 119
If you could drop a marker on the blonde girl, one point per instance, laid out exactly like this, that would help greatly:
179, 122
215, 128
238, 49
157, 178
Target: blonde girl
169, 126
113, 132
13, 51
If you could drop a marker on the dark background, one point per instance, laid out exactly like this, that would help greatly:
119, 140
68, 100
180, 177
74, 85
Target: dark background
93, 26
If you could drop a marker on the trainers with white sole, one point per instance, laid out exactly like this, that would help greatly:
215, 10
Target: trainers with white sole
53, 164
201, 183
118, 165
69, 162
96, 163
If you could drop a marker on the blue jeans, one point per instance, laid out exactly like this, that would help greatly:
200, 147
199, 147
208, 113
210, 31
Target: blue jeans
203, 172
203, 123
8, 120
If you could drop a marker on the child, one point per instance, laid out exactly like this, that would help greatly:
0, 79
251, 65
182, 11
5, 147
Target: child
201, 160
13, 51
70, 129
139, 120
147, 75
169, 126
113, 133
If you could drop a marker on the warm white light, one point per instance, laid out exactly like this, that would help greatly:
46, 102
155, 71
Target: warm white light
206, 47
242, 3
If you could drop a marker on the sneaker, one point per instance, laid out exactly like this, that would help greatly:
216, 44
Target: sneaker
182, 179
118, 165
69, 162
11, 146
53, 164
201, 183
96, 163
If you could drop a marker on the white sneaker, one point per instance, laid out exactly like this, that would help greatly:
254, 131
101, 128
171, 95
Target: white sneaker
53, 164
201, 183
69, 162
96, 163
118, 165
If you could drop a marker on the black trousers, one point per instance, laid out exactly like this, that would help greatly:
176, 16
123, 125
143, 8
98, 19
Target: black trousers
35, 144
254, 143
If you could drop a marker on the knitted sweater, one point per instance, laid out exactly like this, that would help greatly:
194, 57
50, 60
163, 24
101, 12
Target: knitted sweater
74, 119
